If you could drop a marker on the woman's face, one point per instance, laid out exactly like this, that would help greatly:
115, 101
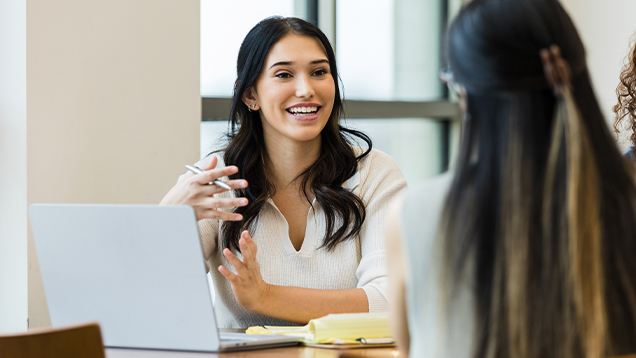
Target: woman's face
295, 90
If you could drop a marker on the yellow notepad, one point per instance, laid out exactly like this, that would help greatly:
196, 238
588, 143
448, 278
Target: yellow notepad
343, 328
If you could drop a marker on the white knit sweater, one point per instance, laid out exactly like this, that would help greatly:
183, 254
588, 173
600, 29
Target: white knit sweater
357, 263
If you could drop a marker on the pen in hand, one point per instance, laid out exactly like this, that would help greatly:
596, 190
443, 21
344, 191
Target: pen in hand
197, 170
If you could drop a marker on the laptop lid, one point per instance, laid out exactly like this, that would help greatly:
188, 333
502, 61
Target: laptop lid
138, 270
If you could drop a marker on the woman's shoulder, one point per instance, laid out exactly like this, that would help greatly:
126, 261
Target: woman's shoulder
377, 163
374, 156
375, 169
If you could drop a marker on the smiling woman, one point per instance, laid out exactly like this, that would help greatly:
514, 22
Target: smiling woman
300, 234
296, 96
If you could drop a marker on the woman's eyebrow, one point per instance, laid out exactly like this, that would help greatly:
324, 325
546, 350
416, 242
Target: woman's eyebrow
289, 63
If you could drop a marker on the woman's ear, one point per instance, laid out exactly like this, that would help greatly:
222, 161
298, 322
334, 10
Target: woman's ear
250, 99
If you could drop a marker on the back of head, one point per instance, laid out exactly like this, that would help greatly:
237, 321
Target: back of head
541, 213
494, 45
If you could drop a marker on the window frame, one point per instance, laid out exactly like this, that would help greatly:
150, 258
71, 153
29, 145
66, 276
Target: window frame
446, 111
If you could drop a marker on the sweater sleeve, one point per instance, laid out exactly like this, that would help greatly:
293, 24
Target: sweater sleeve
208, 228
380, 181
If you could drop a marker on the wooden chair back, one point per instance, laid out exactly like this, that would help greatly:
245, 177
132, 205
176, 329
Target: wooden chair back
83, 341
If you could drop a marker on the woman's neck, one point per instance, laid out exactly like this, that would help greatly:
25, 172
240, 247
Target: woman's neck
288, 159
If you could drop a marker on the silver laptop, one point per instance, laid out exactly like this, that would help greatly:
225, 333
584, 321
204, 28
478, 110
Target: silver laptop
138, 271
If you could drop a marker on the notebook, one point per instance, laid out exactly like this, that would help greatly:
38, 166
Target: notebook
138, 271
340, 330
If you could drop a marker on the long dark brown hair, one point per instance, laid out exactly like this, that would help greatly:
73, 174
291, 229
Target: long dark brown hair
541, 214
337, 161
625, 109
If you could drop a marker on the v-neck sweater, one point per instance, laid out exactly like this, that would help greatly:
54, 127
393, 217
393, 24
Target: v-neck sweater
356, 263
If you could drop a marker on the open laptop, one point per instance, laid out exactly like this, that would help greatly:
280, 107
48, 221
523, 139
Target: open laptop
138, 271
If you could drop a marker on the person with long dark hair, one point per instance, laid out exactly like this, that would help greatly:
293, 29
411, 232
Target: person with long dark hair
625, 108
528, 248
301, 233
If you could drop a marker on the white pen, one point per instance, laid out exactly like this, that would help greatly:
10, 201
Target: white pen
197, 170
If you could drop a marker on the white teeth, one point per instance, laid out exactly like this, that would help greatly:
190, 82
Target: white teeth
297, 110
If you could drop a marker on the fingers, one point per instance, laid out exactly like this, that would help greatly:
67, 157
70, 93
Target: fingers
246, 249
213, 174
249, 243
237, 183
223, 203
219, 215
239, 266
212, 163
228, 274
210, 190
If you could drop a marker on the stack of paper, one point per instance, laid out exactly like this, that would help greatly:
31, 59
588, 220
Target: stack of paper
362, 329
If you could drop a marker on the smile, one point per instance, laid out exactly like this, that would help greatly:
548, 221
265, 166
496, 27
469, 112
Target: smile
303, 111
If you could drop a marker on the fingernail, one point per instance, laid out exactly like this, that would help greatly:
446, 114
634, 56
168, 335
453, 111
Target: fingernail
238, 217
243, 201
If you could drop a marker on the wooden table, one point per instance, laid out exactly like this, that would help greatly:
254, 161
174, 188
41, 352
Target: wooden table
287, 352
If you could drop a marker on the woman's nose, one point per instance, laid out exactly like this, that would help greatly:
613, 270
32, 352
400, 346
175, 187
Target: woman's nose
304, 89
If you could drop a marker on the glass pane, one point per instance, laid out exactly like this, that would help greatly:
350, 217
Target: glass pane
389, 49
414, 143
212, 136
224, 24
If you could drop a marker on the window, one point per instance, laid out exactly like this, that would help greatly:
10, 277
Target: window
388, 53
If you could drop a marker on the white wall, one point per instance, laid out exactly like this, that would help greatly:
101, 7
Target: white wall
13, 172
607, 28
113, 105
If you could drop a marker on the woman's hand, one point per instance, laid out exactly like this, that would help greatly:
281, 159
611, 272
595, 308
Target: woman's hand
195, 190
247, 283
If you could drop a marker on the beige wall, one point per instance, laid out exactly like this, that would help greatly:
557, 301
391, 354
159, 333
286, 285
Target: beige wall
607, 28
113, 108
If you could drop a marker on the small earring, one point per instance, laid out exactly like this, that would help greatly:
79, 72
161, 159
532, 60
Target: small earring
254, 106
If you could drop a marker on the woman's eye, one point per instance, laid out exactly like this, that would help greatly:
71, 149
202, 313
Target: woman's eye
283, 75
319, 73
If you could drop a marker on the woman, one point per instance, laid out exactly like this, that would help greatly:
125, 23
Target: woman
529, 248
625, 109
310, 201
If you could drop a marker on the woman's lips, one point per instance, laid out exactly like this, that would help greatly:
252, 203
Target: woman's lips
304, 113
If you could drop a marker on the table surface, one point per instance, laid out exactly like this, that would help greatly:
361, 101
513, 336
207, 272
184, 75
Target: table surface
286, 352
283, 352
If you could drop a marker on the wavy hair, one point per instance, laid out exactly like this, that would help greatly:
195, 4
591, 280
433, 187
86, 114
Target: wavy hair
541, 214
344, 211
625, 109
